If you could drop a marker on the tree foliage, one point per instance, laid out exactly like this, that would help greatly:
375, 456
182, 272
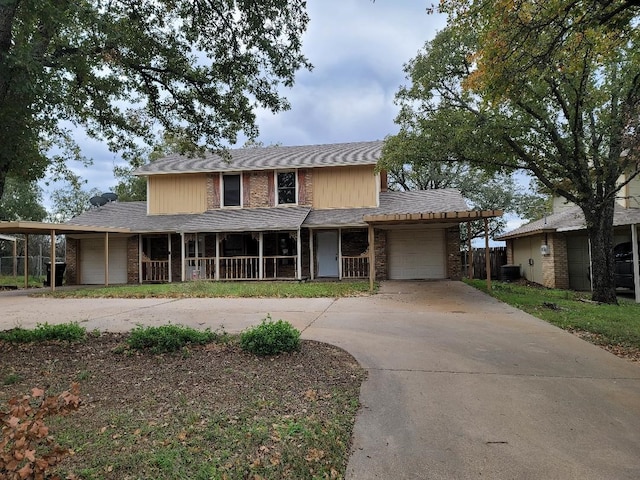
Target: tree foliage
552, 88
70, 201
125, 69
22, 200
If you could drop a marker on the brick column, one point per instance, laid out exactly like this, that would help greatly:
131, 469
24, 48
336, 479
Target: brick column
133, 259
71, 259
454, 263
555, 266
380, 243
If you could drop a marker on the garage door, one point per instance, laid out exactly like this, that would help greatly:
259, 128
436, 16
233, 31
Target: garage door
92, 261
416, 254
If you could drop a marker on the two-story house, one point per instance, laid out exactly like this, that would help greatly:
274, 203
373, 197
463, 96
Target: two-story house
554, 251
320, 211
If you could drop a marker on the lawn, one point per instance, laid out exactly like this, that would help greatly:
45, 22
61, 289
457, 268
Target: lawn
11, 281
221, 289
616, 327
209, 411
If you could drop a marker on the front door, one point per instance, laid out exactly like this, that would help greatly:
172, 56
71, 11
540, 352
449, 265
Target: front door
327, 254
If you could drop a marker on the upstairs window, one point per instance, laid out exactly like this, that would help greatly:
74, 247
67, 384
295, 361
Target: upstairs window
231, 192
286, 188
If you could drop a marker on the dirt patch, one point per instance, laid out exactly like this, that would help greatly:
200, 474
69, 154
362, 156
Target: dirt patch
135, 406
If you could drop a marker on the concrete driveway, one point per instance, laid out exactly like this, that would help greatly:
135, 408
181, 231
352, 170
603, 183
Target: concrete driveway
460, 386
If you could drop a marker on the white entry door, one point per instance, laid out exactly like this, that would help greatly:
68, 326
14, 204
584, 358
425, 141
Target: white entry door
327, 254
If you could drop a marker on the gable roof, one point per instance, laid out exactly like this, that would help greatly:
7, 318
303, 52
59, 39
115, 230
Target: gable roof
269, 158
569, 220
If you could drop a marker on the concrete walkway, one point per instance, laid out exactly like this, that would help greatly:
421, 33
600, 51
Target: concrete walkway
460, 386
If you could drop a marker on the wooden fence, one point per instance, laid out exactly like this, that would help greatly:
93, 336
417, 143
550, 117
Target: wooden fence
497, 257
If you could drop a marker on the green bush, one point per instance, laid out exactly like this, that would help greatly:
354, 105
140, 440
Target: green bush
70, 332
168, 338
270, 338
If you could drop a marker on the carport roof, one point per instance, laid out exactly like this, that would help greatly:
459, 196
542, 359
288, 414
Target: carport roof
42, 228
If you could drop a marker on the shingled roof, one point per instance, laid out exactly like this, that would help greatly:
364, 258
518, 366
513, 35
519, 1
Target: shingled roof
270, 158
568, 220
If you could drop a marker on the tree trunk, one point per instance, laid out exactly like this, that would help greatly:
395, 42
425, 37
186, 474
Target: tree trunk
600, 230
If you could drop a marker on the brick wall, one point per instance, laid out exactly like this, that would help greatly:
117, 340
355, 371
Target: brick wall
258, 186
213, 191
71, 258
510, 252
133, 265
555, 266
305, 187
176, 260
380, 242
454, 263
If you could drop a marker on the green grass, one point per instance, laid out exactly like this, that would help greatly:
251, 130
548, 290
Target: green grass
206, 289
11, 281
69, 332
614, 324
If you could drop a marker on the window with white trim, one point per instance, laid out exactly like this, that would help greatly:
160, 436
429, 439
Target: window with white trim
286, 190
231, 190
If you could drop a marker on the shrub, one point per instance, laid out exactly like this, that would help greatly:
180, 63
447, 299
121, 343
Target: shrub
168, 338
270, 338
70, 332
27, 450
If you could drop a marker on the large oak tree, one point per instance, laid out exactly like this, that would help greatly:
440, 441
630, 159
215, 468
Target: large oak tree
125, 69
551, 87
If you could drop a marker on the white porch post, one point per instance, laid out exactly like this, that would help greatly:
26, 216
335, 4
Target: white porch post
169, 255
311, 260
261, 255
217, 276
634, 257
52, 256
106, 258
340, 253
182, 255
139, 258
299, 254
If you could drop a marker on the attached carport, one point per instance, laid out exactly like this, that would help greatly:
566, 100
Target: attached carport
416, 241
52, 230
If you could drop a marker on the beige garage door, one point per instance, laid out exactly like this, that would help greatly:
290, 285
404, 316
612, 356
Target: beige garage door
92, 261
416, 254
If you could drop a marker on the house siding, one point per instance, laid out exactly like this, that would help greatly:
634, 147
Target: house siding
170, 194
344, 187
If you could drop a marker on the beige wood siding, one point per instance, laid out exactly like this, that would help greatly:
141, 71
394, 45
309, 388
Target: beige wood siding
525, 249
344, 187
633, 192
185, 193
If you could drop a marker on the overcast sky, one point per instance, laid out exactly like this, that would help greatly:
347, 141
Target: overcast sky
358, 49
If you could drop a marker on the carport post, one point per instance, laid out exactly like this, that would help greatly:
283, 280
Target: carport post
26, 260
15, 261
106, 259
487, 252
372, 258
52, 272
636, 266
311, 260
470, 252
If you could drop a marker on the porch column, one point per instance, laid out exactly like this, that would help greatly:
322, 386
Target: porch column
182, 255
340, 253
217, 276
139, 258
169, 256
52, 256
15, 260
299, 254
26, 260
470, 253
372, 258
312, 263
106, 259
487, 252
261, 255
634, 257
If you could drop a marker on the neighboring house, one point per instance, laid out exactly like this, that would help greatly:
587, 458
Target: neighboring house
272, 213
554, 251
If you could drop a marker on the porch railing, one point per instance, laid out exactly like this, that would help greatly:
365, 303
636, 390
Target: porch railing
155, 270
280, 266
201, 268
239, 268
355, 267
